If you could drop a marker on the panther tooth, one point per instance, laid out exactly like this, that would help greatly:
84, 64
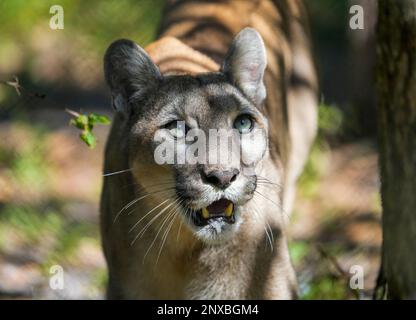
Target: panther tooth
229, 210
205, 213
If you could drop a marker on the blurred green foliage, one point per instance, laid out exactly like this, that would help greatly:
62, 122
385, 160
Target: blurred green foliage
322, 284
330, 123
28, 167
38, 227
34, 221
89, 28
322, 281
29, 224
298, 251
72, 57
24, 163
99, 21
327, 287
96, 24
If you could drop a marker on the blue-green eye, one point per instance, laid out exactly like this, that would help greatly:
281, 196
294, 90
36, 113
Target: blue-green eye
244, 123
177, 128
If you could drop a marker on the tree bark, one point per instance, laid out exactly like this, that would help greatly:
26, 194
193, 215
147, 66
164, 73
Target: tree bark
396, 79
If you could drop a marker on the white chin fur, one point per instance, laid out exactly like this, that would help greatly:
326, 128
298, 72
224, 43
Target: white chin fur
217, 232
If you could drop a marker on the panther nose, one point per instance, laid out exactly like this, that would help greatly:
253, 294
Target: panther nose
220, 179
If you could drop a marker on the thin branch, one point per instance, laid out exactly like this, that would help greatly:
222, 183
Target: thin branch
15, 84
333, 261
72, 112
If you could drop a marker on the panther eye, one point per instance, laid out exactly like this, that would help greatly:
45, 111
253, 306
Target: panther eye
244, 123
177, 128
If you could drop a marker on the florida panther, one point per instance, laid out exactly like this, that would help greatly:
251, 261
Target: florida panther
207, 230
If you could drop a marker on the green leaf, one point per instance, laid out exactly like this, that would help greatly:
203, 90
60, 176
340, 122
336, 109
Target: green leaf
86, 124
98, 118
89, 139
81, 122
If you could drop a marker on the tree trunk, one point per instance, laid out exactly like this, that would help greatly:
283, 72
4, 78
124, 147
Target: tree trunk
396, 75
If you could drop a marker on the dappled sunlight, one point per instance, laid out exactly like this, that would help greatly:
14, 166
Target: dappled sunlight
50, 181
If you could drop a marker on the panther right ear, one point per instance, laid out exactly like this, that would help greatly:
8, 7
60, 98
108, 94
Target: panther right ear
245, 64
129, 72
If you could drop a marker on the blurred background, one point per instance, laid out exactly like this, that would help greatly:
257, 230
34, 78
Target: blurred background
50, 180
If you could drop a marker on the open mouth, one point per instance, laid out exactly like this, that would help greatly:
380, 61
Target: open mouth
222, 209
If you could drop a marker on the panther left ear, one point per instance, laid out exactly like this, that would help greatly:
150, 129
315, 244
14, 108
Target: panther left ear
129, 72
245, 64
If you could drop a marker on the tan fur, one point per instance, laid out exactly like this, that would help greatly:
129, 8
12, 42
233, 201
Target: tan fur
245, 267
172, 56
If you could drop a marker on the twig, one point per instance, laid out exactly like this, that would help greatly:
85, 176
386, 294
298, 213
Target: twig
19, 89
15, 84
333, 261
72, 112
343, 274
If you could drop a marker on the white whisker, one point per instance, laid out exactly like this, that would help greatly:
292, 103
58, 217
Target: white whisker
115, 172
161, 226
270, 237
149, 212
131, 203
169, 227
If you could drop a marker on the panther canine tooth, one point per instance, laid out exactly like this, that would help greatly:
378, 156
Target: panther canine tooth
229, 210
205, 213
